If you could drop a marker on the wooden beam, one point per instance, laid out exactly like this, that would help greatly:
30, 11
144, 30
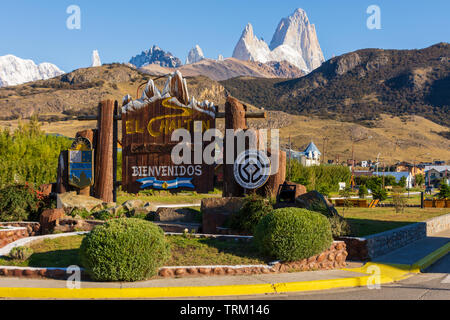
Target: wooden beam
219, 115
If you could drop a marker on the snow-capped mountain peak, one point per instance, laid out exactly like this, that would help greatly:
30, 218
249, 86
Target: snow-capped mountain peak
298, 33
294, 41
249, 47
195, 55
155, 55
14, 71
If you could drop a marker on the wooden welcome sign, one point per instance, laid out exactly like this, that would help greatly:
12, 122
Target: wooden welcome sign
147, 127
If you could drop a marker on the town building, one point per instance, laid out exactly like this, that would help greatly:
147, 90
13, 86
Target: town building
435, 174
398, 175
309, 157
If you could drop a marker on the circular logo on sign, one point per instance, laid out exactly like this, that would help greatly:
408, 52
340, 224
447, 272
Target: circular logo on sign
252, 169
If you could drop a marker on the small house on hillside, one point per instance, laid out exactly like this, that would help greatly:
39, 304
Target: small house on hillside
435, 174
309, 157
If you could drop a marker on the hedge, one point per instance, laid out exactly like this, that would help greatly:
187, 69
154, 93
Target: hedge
124, 250
291, 234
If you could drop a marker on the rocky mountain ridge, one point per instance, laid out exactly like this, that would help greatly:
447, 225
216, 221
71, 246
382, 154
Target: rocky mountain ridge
295, 41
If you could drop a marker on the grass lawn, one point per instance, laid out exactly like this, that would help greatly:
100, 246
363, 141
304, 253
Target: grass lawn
165, 197
63, 252
366, 221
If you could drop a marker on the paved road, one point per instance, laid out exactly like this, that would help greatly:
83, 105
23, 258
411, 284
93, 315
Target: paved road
433, 284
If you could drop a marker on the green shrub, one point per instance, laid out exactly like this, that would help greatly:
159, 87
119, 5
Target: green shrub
80, 212
291, 234
19, 203
124, 250
253, 209
21, 253
339, 226
102, 215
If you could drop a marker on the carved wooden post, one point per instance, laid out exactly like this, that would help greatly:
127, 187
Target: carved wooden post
270, 189
62, 180
234, 119
104, 155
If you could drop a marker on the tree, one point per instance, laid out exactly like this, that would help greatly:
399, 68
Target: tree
362, 192
419, 179
398, 199
346, 194
379, 194
402, 182
444, 190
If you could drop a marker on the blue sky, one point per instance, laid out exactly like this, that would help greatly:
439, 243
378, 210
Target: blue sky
121, 29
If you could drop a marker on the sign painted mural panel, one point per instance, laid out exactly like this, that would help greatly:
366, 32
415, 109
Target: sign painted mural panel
147, 126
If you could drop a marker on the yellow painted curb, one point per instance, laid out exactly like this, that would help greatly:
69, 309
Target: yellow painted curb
432, 257
375, 273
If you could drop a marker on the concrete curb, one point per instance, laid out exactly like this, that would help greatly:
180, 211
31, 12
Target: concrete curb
376, 273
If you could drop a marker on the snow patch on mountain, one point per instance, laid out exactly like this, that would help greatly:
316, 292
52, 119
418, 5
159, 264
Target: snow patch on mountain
195, 55
15, 71
156, 55
96, 62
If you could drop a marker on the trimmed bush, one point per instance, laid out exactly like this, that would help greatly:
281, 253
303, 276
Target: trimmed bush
20, 253
124, 250
252, 211
291, 234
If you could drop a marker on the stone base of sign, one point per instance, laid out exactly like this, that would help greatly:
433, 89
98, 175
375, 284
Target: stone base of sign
216, 211
174, 215
71, 200
69, 224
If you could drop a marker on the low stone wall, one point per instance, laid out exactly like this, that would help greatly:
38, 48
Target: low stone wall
334, 257
356, 248
382, 243
438, 224
33, 228
36, 273
388, 241
11, 234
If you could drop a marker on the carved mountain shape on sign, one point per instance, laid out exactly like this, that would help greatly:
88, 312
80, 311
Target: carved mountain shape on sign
175, 88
